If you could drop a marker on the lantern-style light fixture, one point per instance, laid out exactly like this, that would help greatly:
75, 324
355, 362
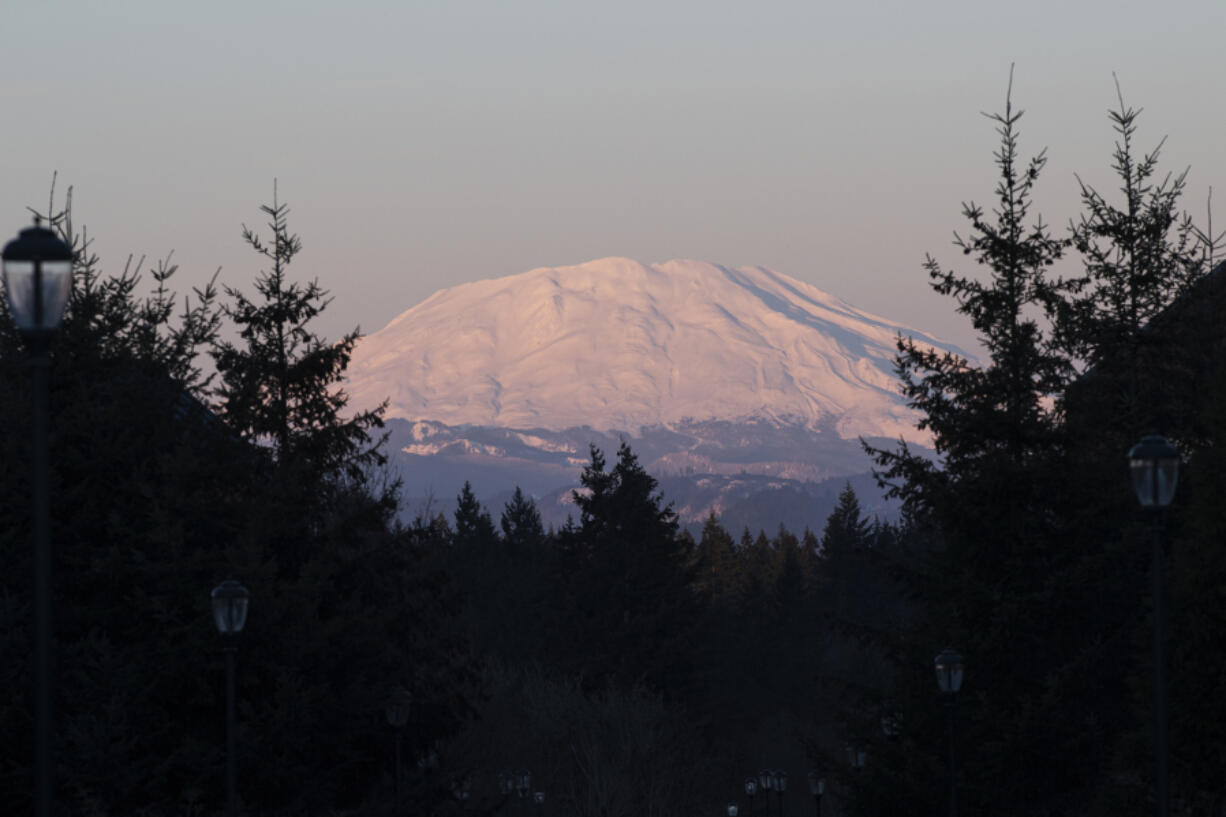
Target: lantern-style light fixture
1155, 471
765, 781
37, 270
398, 707
539, 798
733, 811
817, 785
523, 782
891, 723
949, 667
751, 786
781, 780
230, 607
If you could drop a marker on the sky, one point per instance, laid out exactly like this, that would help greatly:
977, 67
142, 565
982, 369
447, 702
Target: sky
421, 145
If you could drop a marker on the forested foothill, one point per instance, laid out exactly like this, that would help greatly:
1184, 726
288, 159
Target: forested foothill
632, 667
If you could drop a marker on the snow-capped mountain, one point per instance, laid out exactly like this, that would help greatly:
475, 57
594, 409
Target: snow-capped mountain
742, 390
615, 344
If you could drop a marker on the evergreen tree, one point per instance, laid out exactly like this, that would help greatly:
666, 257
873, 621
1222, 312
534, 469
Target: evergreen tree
352, 607
846, 534
1147, 322
626, 582
1139, 256
717, 564
473, 526
521, 525
996, 505
280, 387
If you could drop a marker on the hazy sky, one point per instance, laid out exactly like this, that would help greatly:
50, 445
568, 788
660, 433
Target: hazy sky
424, 144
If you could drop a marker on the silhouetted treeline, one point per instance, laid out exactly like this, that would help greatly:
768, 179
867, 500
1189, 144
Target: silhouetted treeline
722, 641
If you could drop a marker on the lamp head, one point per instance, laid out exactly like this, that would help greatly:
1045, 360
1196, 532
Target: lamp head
230, 607
949, 666
37, 271
1154, 464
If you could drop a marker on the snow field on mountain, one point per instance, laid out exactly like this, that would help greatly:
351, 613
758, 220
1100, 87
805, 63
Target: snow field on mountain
617, 344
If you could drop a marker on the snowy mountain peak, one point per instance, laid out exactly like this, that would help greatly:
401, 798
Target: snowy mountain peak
619, 345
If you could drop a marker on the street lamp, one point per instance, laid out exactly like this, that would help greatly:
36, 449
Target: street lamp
949, 666
1154, 464
817, 787
766, 783
461, 790
733, 811
751, 789
37, 272
891, 724
781, 785
230, 614
397, 711
523, 787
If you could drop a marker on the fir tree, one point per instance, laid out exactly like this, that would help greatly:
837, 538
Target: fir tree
1139, 256
521, 525
626, 581
845, 535
280, 385
473, 526
997, 507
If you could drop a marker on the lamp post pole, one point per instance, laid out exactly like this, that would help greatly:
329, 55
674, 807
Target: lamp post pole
230, 614
766, 782
949, 667
1154, 464
397, 711
1160, 737
44, 624
523, 787
817, 787
230, 649
952, 761
37, 271
751, 789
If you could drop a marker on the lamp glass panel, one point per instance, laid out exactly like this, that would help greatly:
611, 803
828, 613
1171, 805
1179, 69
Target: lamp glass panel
238, 614
19, 285
1154, 475
230, 613
944, 682
949, 671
